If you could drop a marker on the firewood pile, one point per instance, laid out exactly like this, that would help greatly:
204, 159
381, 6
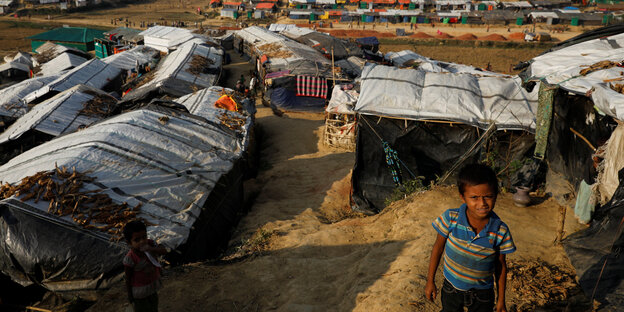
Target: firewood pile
597, 66
232, 122
61, 187
539, 284
199, 65
274, 50
618, 87
99, 106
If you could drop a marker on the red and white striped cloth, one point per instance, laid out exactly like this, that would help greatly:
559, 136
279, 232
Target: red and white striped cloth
311, 86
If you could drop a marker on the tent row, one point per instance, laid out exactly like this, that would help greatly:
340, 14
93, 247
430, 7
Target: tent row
135, 137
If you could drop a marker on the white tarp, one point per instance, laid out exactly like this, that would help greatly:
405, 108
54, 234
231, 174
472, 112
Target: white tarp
11, 98
420, 95
173, 76
94, 73
281, 27
353, 65
325, 1
128, 59
53, 50
164, 38
451, 2
20, 57
517, 4
14, 65
57, 115
543, 15
170, 167
562, 67
342, 101
299, 59
60, 63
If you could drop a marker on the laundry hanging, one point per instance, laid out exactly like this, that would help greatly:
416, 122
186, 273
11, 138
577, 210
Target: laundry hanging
311, 86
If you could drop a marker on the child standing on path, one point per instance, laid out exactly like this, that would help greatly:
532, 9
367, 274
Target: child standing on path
474, 241
141, 267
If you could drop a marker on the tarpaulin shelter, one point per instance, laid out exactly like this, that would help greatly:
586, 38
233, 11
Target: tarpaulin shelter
189, 67
66, 112
273, 53
411, 59
352, 66
340, 121
80, 38
182, 172
166, 39
49, 50
583, 76
324, 43
63, 61
127, 60
14, 72
94, 73
12, 105
431, 119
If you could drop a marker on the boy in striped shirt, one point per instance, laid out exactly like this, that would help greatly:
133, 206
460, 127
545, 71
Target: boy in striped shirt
474, 241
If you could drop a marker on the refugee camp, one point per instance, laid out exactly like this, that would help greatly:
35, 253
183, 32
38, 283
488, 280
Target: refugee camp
311, 155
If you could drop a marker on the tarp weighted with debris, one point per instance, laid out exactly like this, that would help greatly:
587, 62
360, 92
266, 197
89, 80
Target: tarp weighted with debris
174, 164
12, 104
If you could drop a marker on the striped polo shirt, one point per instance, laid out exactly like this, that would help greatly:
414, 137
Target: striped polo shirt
469, 258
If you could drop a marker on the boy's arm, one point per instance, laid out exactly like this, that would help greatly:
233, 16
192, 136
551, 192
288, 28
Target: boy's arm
129, 272
436, 253
501, 282
156, 248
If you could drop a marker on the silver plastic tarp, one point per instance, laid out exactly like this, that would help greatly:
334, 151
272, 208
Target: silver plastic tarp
202, 103
60, 63
170, 167
11, 98
342, 101
57, 115
173, 76
128, 59
165, 39
94, 73
300, 59
420, 95
400, 59
562, 67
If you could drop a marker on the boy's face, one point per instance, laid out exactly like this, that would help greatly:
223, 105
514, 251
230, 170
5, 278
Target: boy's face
138, 240
479, 200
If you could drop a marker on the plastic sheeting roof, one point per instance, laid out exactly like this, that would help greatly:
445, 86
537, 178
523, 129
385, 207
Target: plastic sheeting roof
281, 27
60, 63
202, 103
173, 77
543, 15
14, 65
562, 67
517, 4
420, 95
170, 168
353, 65
164, 38
127, 34
69, 34
301, 60
58, 115
127, 59
94, 73
342, 101
11, 98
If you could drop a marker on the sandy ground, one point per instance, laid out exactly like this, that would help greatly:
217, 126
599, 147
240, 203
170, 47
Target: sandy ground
300, 249
287, 255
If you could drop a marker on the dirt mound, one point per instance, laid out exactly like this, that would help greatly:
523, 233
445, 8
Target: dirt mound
467, 36
421, 35
493, 37
443, 35
357, 33
516, 36
229, 28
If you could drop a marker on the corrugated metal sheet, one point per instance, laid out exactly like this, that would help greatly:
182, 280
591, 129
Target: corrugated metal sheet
127, 59
172, 76
11, 98
58, 115
94, 73
60, 63
170, 168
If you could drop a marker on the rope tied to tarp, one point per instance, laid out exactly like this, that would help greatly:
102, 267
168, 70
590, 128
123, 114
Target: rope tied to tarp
392, 160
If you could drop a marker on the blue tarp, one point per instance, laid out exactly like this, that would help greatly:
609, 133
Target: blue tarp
367, 41
286, 100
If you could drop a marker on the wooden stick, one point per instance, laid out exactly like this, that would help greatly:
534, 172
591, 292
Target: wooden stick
583, 138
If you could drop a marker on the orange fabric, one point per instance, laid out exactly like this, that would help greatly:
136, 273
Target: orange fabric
226, 102
263, 59
265, 5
